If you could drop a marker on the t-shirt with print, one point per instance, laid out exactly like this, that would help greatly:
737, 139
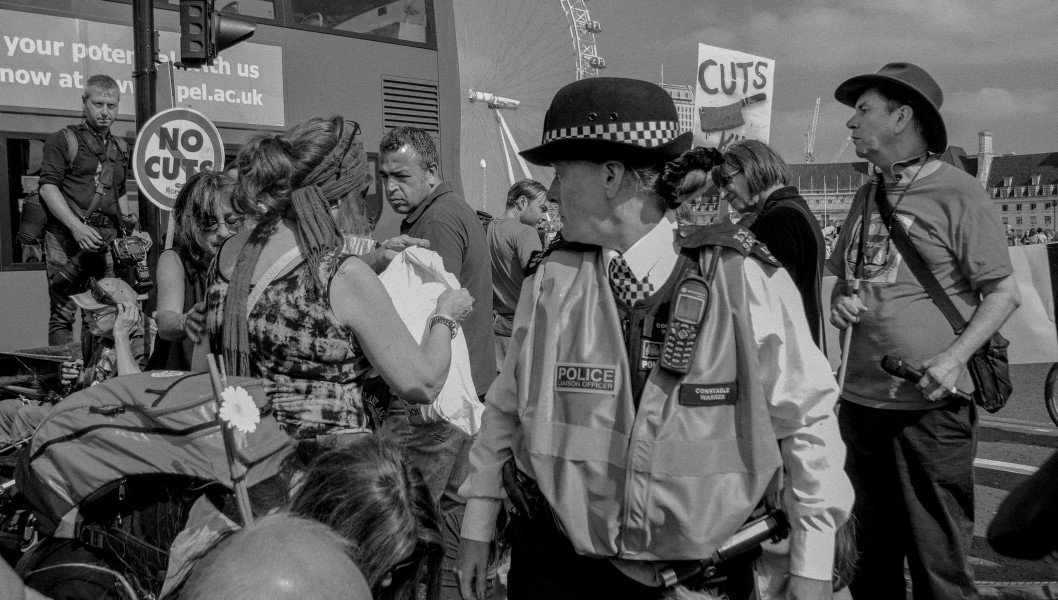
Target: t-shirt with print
957, 231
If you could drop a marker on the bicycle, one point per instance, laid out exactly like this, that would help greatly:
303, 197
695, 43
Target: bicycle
1050, 387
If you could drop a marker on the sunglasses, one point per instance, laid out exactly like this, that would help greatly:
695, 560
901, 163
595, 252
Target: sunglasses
99, 294
722, 178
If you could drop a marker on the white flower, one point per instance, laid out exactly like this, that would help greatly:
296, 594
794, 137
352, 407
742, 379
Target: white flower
238, 409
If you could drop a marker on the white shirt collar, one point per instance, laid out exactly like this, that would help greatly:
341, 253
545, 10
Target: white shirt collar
653, 256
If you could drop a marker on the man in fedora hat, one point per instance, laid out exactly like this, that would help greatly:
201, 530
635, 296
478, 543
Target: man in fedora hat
911, 444
651, 371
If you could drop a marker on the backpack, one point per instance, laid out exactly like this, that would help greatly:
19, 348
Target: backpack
107, 438
34, 214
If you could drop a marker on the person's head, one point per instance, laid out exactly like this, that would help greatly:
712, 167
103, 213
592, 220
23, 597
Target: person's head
100, 303
279, 557
369, 495
408, 168
204, 214
320, 153
749, 169
608, 140
897, 114
528, 199
101, 97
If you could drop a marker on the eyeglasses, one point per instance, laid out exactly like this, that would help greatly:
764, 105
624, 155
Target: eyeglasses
99, 294
722, 178
234, 223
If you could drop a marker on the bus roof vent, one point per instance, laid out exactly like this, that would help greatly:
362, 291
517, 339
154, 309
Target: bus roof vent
411, 102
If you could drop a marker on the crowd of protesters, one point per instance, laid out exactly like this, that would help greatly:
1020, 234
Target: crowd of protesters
650, 387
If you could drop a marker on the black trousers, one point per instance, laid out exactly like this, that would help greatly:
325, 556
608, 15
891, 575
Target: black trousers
913, 476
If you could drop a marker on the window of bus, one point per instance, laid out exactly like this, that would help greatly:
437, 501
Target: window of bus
20, 159
407, 20
258, 9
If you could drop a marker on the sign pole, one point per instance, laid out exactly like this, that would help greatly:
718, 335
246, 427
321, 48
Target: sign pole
145, 76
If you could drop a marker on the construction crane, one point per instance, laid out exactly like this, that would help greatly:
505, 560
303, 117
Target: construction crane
810, 136
841, 150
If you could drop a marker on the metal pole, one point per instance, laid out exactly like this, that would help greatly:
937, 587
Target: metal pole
145, 76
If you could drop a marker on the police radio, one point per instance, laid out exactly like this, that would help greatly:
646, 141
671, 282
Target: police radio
685, 321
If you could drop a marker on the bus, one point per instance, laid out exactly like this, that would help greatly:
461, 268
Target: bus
381, 63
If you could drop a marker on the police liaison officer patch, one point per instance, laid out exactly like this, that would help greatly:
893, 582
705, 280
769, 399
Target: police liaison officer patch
595, 379
708, 394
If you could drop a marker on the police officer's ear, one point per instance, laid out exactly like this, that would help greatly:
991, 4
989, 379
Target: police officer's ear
614, 175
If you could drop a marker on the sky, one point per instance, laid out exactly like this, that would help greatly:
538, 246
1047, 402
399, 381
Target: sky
995, 60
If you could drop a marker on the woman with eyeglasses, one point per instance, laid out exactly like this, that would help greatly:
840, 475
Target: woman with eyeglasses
204, 220
319, 319
756, 182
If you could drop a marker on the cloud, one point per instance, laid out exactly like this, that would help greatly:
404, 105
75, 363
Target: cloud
1000, 103
818, 34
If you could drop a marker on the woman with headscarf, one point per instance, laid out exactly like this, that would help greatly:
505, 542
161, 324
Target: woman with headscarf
319, 319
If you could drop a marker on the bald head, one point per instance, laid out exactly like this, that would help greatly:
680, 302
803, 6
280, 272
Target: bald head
281, 557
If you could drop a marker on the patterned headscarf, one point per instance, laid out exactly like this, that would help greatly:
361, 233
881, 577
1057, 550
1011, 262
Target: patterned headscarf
343, 170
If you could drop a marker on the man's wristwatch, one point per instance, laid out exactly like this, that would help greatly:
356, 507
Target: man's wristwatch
448, 322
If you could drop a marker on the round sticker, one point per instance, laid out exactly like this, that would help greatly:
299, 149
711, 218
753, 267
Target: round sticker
171, 147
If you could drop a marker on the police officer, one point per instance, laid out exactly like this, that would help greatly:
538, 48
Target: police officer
84, 195
656, 367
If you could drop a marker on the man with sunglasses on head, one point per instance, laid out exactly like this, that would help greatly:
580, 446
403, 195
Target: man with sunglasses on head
112, 315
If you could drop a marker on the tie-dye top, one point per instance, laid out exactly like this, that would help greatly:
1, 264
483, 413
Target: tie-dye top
314, 365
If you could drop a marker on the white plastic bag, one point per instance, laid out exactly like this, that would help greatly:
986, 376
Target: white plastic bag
414, 280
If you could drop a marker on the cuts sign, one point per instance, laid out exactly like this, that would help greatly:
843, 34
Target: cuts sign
171, 147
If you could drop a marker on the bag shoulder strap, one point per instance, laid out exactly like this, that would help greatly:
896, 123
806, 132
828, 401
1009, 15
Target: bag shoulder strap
916, 264
71, 146
269, 276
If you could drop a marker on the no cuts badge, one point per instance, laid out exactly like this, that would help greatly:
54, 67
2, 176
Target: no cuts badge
171, 147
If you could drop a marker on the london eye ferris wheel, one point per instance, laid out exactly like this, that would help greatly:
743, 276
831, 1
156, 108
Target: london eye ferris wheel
513, 56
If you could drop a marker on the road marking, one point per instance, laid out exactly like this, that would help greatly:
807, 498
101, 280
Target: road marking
998, 465
1017, 425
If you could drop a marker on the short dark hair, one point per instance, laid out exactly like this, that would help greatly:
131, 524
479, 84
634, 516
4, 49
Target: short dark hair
100, 83
894, 97
528, 188
418, 139
370, 495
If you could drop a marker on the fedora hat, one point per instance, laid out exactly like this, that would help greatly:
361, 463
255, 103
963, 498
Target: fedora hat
610, 118
912, 82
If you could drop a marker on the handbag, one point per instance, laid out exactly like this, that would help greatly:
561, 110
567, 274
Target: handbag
989, 366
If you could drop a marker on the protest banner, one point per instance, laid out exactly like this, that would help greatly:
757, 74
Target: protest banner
43, 55
732, 97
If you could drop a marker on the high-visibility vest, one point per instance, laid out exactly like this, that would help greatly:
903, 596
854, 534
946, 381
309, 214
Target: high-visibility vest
673, 478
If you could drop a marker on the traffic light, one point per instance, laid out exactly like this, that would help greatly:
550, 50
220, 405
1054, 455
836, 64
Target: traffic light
204, 33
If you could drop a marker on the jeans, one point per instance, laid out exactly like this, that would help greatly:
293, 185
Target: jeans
913, 476
441, 451
59, 246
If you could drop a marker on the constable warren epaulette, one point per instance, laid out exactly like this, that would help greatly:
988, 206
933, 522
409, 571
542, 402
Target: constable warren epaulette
556, 244
728, 235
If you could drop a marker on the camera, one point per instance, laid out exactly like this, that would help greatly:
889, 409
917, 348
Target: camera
131, 251
127, 251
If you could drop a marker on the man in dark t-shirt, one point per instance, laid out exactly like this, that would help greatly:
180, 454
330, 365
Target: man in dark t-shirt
78, 220
410, 175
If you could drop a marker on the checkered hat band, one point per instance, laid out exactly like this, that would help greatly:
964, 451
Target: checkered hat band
643, 133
